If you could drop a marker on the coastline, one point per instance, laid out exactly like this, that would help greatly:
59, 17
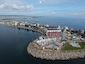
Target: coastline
50, 54
22, 27
54, 54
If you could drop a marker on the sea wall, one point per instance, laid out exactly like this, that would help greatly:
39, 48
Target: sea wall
54, 54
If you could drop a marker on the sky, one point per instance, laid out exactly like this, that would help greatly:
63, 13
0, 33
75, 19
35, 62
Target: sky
60, 8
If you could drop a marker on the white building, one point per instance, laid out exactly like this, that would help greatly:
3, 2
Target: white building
16, 23
43, 42
22, 24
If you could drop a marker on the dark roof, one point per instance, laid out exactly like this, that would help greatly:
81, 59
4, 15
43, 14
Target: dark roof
50, 27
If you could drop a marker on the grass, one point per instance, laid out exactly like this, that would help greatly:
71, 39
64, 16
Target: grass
43, 32
68, 47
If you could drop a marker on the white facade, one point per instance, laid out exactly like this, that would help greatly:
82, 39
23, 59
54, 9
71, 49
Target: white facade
16, 23
22, 24
47, 41
53, 31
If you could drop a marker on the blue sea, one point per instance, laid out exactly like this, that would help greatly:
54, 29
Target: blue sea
76, 23
13, 41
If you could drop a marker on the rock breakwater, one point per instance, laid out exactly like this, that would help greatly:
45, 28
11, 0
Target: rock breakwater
50, 54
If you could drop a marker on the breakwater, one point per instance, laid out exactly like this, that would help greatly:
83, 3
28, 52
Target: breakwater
50, 54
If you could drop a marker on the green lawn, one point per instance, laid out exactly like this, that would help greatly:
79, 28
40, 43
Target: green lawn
68, 47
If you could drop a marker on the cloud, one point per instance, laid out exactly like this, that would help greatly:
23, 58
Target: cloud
40, 2
16, 5
64, 13
9, 2
51, 12
53, 1
57, 2
13, 12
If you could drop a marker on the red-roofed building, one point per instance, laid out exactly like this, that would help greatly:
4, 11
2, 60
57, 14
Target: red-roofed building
52, 31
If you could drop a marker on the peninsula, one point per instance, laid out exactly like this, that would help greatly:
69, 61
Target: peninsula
56, 43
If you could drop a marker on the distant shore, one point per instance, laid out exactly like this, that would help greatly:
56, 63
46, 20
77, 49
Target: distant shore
54, 54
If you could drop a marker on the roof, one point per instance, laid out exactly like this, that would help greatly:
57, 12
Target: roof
51, 28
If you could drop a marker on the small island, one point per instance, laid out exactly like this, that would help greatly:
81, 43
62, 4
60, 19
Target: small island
56, 43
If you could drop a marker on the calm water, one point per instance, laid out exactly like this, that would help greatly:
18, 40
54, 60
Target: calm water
13, 43
54, 21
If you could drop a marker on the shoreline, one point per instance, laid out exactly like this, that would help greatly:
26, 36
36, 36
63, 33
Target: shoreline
31, 29
54, 54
